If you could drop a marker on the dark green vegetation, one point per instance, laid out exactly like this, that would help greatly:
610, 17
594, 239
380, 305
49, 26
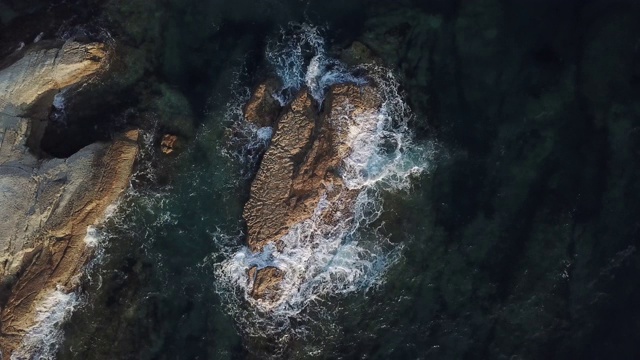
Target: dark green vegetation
522, 243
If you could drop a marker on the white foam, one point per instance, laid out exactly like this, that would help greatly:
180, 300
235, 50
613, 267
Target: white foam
59, 100
288, 55
264, 133
91, 239
299, 58
44, 338
323, 72
321, 259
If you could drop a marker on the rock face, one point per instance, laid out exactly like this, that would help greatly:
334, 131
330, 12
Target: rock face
299, 170
262, 109
42, 72
47, 205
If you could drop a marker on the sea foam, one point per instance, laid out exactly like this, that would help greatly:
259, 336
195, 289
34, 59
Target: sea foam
321, 259
44, 338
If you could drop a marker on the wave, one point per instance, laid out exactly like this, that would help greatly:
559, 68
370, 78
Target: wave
320, 259
43, 340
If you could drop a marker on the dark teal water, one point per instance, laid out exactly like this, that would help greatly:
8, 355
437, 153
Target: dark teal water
521, 243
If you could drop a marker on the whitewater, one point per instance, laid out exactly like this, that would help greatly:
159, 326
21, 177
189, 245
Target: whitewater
322, 260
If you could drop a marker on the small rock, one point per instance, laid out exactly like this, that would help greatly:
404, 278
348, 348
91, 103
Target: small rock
262, 109
266, 283
169, 143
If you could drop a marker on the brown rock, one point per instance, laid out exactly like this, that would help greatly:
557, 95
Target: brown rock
169, 143
299, 168
60, 253
47, 205
267, 212
262, 109
266, 283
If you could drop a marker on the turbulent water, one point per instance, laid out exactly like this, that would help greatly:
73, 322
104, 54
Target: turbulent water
521, 243
321, 260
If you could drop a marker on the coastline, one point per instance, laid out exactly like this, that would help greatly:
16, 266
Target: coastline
47, 203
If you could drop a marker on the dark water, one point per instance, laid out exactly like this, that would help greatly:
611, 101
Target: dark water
521, 243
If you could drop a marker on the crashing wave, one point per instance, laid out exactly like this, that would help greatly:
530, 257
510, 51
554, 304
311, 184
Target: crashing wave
299, 58
44, 338
321, 259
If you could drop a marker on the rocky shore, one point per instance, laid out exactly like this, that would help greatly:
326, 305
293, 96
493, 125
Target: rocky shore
522, 243
47, 204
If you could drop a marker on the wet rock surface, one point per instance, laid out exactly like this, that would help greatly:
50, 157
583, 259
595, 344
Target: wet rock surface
168, 144
262, 108
300, 168
47, 205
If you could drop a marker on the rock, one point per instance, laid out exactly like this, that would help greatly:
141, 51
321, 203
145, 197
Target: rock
23, 85
44, 70
47, 205
357, 54
266, 282
169, 143
299, 169
262, 108
267, 212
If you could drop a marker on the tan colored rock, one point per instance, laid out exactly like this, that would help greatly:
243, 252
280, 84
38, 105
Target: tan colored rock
98, 175
30, 186
44, 71
299, 168
266, 282
47, 205
168, 144
262, 108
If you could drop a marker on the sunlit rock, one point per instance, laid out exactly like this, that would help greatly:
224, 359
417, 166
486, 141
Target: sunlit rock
298, 178
47, 205
262, 108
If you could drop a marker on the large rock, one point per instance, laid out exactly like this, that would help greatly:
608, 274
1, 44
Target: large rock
299, 169
47, 205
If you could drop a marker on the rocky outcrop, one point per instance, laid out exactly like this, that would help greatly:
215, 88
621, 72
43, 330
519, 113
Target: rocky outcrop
299, 169
168, 144
47, 205
262, 108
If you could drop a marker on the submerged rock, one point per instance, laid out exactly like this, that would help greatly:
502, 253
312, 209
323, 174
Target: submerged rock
47, 205
357, 54
298, 177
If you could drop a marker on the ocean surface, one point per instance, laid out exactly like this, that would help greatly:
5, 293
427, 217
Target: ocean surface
499, 183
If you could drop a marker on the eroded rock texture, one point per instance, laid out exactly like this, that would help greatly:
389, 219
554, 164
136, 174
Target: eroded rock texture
299, 169
47, 205
262, 108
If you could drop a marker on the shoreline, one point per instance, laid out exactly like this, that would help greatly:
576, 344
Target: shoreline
47, 204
